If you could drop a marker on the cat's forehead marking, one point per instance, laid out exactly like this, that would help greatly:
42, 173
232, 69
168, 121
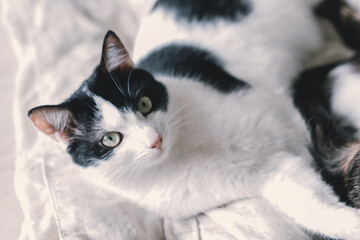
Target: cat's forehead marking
110, 115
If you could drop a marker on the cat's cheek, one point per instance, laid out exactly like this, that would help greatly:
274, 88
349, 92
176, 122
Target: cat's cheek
157, 157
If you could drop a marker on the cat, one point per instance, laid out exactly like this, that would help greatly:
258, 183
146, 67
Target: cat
180, 132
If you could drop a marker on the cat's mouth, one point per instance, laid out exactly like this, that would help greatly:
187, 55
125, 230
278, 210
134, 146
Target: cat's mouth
157, 150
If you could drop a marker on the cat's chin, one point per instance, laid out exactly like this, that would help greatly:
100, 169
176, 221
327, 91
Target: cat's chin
156, 157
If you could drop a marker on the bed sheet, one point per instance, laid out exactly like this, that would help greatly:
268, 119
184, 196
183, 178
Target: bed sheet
10, 212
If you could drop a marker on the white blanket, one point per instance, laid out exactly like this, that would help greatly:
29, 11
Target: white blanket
58, 44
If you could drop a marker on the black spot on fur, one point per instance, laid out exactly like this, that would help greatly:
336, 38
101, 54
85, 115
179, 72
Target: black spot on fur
84, 149
188, 61
86, 152
124, 91
206, 10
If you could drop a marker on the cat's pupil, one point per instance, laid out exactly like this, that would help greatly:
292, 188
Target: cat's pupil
144, 105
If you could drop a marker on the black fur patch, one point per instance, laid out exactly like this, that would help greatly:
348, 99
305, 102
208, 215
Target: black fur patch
344, 18
311, 90
124, 91
83, 148
188, 61
207, 10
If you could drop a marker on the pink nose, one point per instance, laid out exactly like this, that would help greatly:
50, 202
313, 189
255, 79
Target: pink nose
158, 143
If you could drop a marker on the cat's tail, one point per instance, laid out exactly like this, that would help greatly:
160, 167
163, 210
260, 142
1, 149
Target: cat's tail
345, 19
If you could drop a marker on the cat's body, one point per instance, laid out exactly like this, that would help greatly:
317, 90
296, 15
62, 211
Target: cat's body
211, 125
205, 154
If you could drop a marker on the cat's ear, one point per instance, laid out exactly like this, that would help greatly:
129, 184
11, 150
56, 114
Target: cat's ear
55, 121
114, 55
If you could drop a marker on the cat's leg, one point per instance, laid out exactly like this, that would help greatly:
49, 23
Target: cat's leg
298, 191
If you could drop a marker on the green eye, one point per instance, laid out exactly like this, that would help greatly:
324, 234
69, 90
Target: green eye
111, 139
144, 105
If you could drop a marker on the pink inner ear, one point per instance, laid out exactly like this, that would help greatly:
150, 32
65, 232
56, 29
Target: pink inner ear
42, 124
41, 119
115, 56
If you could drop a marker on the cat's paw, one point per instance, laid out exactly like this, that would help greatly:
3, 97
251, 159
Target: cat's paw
347, 226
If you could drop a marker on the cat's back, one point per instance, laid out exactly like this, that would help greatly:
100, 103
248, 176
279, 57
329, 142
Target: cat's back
246, 35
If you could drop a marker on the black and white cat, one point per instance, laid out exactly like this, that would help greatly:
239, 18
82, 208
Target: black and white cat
180, 133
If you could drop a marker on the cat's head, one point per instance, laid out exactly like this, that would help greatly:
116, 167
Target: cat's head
118, 114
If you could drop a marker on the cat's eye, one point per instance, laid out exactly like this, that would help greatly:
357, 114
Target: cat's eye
144, 105
111, 139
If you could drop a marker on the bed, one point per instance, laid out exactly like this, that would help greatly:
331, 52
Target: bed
57, 45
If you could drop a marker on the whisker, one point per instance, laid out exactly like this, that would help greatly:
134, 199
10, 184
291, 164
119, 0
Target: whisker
132, 171
140, 162
115, 173
178, 111
179, 120
174, 127
137, 92
128, 82
115, 80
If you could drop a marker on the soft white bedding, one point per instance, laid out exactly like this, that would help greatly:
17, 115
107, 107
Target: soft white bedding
58, 44
10, 211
